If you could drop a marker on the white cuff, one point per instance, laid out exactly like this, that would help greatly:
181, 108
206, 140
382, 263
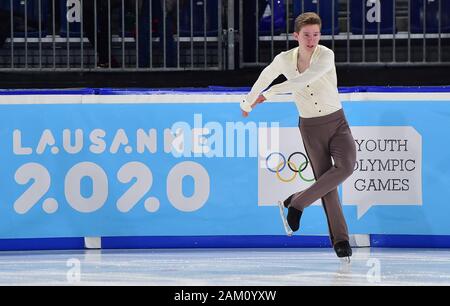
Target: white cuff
267, 94
245, 106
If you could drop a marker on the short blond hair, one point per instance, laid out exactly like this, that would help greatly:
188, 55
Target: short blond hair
306, 19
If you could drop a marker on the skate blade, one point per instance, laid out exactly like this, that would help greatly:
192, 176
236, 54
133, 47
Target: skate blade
346, 260
288, 230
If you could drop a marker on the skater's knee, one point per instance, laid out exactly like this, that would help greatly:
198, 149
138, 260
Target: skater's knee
346, 168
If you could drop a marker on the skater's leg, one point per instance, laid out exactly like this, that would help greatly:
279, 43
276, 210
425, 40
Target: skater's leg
320, 161
319, 151
342, 148
336, 221
333, 210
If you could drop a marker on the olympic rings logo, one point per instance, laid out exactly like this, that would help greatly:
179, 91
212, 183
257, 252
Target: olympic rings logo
291, 165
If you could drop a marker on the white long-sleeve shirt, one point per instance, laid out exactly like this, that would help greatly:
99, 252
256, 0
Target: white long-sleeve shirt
315, 90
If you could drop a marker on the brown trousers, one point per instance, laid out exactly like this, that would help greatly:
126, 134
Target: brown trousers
324, 138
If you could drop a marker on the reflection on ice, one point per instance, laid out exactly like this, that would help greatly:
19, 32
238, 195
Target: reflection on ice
267, 267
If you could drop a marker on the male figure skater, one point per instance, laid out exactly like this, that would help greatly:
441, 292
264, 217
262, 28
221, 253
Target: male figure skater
311, 77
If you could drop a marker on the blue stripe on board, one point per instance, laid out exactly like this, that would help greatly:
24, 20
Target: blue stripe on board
21, 92
381, 241
33, 244
409, 241
215, 242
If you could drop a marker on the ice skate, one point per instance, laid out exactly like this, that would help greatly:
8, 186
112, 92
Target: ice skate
343, 251
293, 218
346, 260
283, 219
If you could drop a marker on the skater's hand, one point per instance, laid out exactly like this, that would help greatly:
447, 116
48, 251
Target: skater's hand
247, 107
260, 99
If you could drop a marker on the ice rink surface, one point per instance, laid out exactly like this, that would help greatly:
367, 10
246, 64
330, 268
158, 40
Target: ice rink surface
226, 267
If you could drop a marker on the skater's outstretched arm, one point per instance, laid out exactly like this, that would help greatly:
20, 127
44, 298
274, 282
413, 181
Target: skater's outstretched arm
260, 99
266, 77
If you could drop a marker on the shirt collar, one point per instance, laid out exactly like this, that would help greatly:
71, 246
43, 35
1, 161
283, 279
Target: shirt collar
295, 54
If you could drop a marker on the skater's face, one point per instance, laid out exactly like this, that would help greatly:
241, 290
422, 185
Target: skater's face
308, 37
